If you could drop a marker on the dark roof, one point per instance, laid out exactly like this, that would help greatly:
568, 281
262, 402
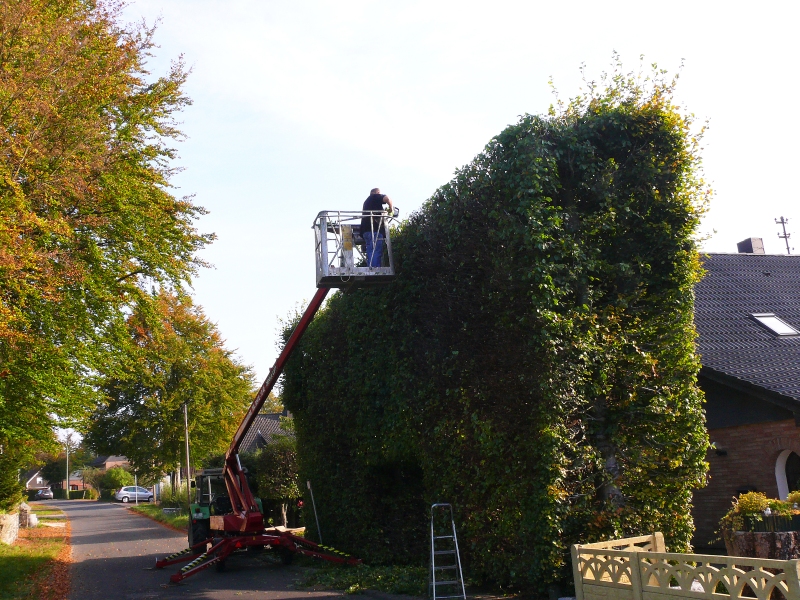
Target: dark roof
264, 427
734, 348
101, 461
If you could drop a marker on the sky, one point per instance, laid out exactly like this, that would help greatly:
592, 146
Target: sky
304, 106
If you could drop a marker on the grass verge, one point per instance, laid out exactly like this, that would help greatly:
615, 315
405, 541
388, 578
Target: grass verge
36, 565
412, 581
178, 523
41, 510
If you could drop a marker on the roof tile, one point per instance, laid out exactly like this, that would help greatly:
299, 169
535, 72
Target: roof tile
729, 340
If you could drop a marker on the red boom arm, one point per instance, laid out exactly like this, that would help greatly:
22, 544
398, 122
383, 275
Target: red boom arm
246, 516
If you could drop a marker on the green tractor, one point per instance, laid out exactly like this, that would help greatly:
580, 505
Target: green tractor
210, 499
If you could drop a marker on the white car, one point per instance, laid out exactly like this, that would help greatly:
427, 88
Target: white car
131, 493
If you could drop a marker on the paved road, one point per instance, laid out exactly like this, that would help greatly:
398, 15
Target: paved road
114, 550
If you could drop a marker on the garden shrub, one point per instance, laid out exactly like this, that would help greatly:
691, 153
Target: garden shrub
115, 478
175, 498
533, 362
11, 489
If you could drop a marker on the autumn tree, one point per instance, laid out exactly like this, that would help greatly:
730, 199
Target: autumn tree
176, 357
86, 211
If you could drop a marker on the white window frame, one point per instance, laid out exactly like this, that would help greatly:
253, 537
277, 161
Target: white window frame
758, 319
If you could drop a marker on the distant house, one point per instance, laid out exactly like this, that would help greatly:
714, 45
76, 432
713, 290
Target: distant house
76, 482
265, 427
747, 315
106, 462
33, 480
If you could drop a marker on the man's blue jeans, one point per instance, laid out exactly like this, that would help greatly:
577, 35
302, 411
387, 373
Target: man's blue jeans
374, 248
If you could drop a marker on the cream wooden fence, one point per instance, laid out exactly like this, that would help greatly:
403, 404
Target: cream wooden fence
639, 569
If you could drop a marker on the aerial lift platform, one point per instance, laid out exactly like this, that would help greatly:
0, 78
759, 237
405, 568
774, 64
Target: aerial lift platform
227, 517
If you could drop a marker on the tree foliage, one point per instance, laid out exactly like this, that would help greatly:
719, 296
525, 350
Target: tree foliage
94, 477
86, 211
175, 356
116, 477
276, 472
54, 466
533, 363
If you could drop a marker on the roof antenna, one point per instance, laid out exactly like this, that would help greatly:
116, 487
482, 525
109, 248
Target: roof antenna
785, 237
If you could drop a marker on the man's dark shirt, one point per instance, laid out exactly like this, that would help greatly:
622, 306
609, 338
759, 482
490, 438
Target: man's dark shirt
373, 203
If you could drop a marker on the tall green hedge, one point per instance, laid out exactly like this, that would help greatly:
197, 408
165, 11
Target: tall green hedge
533, 363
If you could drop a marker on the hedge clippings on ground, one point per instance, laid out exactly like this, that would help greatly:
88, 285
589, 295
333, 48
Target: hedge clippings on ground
533, 363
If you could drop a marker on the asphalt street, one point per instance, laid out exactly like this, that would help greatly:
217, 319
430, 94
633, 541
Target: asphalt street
114, 550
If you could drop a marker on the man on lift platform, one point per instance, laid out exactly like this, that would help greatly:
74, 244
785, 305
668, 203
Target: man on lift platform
372, 230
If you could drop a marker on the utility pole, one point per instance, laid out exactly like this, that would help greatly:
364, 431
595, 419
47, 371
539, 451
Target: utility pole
785, 236
67, 498
188, 478
67, 441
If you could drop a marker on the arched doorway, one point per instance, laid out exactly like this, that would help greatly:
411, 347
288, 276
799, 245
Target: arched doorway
793, 472
787, 473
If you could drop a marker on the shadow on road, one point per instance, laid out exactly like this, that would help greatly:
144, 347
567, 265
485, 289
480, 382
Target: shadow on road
243, 576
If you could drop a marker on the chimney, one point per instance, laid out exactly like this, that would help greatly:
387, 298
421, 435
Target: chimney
751, 246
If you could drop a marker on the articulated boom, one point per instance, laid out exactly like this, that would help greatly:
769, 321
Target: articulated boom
217, 531
246, 517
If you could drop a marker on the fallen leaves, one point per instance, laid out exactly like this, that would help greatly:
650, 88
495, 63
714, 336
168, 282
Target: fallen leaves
53, 582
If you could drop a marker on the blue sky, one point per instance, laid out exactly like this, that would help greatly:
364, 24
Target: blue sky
305, 106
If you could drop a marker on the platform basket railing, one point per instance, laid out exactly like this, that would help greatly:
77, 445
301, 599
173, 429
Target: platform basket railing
340, 252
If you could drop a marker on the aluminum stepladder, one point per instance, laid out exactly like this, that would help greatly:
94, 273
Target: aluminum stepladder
446, 577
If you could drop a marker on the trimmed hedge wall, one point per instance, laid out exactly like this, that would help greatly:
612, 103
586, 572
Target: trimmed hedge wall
533, 363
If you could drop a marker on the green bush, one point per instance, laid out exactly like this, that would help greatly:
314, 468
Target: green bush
753, 504
11, 490
533, 362
115, 478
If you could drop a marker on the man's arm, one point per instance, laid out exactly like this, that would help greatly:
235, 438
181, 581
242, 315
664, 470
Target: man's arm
387, 200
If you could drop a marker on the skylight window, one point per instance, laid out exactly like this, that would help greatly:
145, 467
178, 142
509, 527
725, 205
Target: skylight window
775, 324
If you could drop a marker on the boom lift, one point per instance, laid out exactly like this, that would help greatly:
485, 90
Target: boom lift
222, 523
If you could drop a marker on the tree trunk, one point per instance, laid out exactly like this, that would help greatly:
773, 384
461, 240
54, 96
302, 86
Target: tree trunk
608, 490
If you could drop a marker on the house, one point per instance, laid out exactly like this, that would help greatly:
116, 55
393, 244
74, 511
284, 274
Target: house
747, 315
265, 427
33, 480
76, 482
106, 462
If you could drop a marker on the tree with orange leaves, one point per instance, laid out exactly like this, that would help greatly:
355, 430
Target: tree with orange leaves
87, 216
176, 357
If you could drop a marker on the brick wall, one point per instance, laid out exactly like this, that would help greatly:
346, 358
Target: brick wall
752, 451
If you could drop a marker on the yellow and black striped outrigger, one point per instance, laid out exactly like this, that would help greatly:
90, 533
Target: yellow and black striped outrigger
190, 553
201, 556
